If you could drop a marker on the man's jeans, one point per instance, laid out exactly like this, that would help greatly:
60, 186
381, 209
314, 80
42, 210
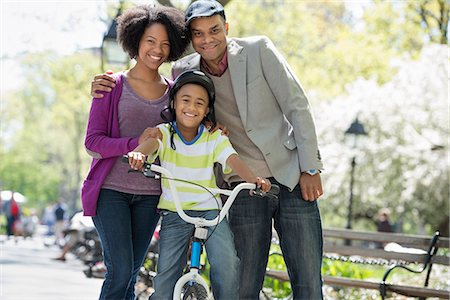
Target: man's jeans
299, 228
125, 224
173, 247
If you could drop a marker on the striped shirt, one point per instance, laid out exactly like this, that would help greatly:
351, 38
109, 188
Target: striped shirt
193, 161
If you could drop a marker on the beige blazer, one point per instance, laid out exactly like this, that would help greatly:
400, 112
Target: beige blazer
272, 105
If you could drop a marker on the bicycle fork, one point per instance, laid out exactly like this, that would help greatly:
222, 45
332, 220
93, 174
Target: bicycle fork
193, 275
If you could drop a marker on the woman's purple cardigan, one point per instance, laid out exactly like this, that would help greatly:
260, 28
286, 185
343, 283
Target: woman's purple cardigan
104, 144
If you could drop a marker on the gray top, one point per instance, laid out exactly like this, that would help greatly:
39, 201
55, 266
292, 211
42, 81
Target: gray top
135, 115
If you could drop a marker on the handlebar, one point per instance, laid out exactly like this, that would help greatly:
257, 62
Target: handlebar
149, 170
146, 169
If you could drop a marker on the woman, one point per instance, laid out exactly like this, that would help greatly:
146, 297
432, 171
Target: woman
123, 205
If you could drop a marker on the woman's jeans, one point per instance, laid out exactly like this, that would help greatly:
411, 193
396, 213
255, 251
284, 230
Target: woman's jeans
173, 248
125, 224
299, 228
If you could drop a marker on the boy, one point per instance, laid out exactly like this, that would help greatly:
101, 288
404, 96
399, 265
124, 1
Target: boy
190, 151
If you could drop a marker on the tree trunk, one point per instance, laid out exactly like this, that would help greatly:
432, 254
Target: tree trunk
443, 227
444, 8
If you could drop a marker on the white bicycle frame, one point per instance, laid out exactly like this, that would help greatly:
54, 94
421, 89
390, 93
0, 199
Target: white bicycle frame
200, 223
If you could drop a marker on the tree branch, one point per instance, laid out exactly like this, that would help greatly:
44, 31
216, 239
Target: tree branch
169, 2
166, 3
444, 8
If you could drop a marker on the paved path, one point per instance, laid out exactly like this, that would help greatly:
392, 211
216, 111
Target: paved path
27, 272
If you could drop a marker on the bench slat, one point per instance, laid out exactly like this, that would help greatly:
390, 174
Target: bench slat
357, 283
349, 282
380, 253
418, 241
409, 291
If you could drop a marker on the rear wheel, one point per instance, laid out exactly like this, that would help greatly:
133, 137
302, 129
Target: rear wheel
195, 291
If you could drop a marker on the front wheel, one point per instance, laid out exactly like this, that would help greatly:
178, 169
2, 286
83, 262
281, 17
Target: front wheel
195, 291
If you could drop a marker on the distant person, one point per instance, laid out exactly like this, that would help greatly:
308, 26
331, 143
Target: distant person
12, 212
48, 219
75, 233
60, 220
383, 222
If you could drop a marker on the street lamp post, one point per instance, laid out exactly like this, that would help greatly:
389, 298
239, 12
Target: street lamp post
350, 200
111, 52
353, 133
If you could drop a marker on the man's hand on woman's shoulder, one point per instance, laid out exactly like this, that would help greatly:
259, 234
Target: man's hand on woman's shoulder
102, 83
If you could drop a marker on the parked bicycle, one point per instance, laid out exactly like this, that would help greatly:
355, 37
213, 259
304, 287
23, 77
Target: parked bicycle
147, 272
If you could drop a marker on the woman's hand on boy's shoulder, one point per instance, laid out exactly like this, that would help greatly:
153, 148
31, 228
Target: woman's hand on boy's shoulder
150, 132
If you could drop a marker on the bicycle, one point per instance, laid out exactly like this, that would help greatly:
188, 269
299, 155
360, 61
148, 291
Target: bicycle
147, 272
191, 285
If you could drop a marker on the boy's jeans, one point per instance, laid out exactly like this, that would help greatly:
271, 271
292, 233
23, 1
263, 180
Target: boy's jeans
125, 224
173, 247
299, 228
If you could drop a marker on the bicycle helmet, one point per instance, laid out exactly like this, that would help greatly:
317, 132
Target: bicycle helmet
199, 78
193, 77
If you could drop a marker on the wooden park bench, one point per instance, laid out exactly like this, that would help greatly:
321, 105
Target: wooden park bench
353, 246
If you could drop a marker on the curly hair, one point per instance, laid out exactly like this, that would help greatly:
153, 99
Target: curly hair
134, 21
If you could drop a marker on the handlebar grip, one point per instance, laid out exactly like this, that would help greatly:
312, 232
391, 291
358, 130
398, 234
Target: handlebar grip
125, 159
272, 193
274, 190
145, 171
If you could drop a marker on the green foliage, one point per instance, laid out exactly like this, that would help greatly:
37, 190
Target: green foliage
281, 290
350, 270
431, 16
326, 45
3, 223
276, 288
45, 125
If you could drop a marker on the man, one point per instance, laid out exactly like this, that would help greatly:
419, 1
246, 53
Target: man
264, 107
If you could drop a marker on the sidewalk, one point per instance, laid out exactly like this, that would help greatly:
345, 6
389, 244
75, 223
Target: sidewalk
27, 272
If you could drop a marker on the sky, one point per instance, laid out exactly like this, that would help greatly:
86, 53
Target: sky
34, 26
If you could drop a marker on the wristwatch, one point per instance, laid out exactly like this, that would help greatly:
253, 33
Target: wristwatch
312, 172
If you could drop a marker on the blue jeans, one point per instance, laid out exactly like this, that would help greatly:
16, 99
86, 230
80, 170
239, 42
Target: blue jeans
125, 224
299, 228
173, 248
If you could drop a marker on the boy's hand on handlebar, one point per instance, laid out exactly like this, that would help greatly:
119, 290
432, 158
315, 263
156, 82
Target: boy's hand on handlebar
136, 160
263, 183
102, 83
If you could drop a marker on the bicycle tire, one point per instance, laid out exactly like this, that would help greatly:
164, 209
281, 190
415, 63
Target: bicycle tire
195, 291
